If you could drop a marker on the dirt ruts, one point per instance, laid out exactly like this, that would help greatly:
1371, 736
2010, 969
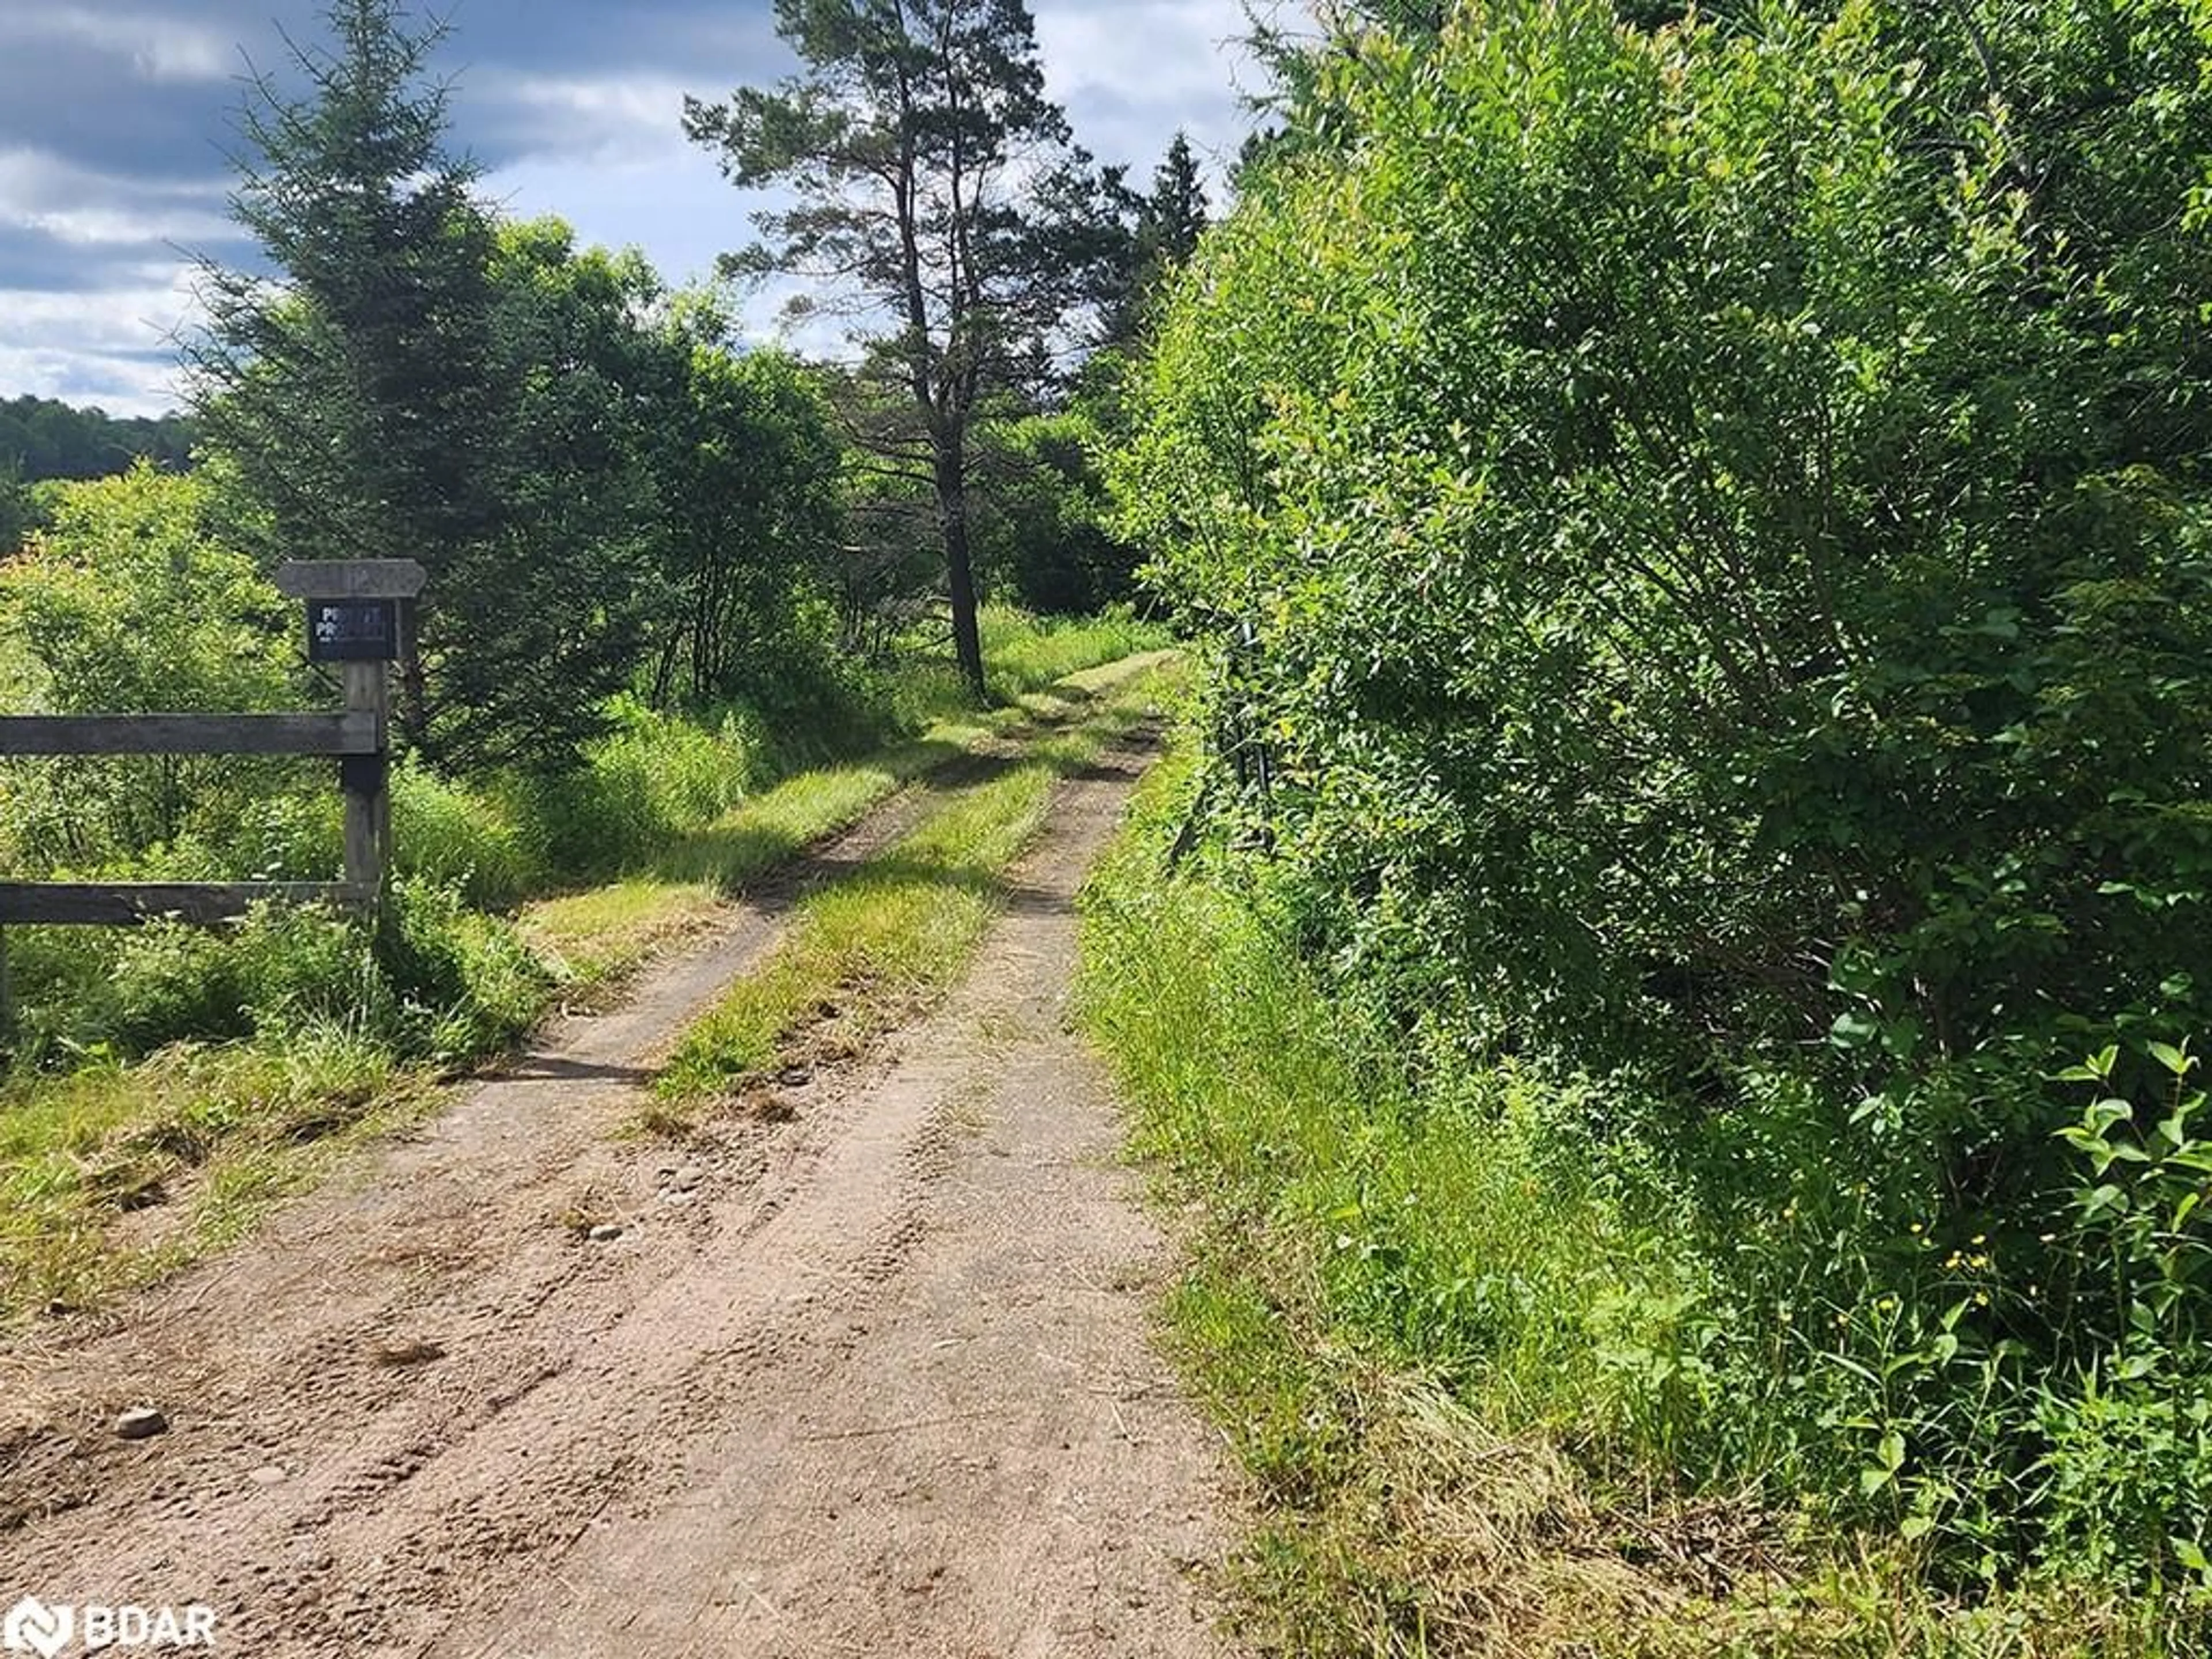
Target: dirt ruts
874, 1379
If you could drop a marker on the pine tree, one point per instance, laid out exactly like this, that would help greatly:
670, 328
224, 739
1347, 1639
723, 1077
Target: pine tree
413, 385
1175, 217
1161, 231
942, 207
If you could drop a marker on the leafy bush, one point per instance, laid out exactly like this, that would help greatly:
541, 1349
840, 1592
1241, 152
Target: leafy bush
655, 776
1708, 529
1365, 1229
128, 602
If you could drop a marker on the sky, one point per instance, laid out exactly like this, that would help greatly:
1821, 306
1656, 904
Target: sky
116, 116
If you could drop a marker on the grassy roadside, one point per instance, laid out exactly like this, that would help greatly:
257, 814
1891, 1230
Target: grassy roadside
861, 958
114, 1174
1419, 1328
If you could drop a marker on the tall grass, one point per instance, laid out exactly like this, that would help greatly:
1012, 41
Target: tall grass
1022, 654
665, 799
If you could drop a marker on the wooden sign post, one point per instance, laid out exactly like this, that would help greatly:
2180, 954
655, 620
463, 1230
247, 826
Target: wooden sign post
354, 620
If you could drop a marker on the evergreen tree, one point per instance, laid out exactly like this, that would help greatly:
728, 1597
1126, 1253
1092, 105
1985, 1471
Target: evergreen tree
352, 396
1175, 215
411, 388
1166, 227
940, 199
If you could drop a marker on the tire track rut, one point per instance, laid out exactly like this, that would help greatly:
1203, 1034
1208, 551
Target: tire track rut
844, 1395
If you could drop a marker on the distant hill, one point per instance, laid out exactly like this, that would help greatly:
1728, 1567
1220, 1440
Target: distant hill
40, 439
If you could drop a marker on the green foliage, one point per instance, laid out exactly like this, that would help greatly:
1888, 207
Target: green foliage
356, 399
481, 398
651, 779
1027, 655
484, 843
1451, 1333
1167, 224
41, 438
127, 603
1709, 529
17, 516
436, 982
1045, 530
751, 488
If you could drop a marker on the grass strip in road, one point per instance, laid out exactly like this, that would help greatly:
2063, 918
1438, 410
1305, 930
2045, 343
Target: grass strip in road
594, 939
865, 955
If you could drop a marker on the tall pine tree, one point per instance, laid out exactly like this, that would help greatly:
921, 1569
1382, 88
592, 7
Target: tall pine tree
941, 205
355, 393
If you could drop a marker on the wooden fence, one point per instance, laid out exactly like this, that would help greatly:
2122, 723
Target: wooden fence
353, 619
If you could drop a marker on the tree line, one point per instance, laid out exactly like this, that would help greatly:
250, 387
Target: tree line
42, 439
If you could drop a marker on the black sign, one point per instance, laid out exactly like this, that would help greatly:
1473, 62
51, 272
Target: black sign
352, 631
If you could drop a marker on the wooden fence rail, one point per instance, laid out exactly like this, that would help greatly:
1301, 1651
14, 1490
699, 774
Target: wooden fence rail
129, 903
350, 732
352, 621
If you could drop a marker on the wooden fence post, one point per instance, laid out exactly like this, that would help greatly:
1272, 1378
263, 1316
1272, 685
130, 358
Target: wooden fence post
367, 780
359, 617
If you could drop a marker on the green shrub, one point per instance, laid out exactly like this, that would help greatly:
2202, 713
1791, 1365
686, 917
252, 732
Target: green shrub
452, 835
656, 777
1373, 1213
1706, 531
170, 980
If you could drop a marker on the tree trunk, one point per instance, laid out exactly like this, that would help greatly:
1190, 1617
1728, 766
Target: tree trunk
959, 571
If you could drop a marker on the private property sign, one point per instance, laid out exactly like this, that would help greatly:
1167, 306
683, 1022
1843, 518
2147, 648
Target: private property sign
353, 630
353, 604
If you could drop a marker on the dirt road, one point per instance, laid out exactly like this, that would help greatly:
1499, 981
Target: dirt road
871, 1380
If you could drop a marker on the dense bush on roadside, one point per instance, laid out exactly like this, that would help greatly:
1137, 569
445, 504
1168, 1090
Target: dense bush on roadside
1708, 527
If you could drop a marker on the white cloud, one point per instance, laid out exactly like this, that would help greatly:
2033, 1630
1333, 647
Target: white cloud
615, 118
108, 226
159, 48
35, 180
1131, 74
106, 347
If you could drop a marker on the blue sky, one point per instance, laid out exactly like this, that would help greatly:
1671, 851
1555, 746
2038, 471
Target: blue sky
114, 118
